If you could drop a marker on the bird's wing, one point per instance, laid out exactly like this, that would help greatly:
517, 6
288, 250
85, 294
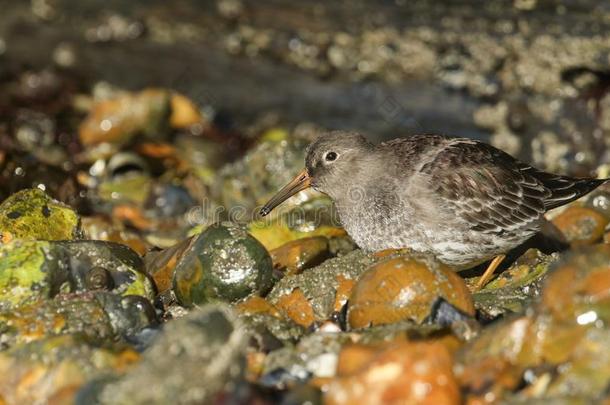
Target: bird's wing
485, 187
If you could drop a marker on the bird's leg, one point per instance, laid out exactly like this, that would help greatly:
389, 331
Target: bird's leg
489, 272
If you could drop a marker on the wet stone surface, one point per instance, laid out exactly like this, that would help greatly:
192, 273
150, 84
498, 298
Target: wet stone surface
223, 263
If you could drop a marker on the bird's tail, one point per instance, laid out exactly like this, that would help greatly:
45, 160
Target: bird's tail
566, 189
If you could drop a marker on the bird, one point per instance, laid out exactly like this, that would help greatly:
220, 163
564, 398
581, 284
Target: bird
461, 200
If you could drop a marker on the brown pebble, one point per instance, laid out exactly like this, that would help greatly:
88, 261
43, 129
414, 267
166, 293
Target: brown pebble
404, 288
581, 225
399, 373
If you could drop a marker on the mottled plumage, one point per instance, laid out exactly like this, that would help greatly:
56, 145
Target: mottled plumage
463, 201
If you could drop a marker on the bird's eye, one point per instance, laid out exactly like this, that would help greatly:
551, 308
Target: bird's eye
330, 156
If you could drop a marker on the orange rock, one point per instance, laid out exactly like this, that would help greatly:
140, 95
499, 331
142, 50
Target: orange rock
117, 120
257, 305
405, 288
161, 265
581, 225
297, 255
353, 358
184, 112
296, 307
400, 373
343, 291
133, 215
580, 283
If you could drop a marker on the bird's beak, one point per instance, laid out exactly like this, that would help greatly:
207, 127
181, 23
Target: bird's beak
299, 183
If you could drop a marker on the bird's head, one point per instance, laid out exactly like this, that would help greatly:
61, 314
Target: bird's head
330, 164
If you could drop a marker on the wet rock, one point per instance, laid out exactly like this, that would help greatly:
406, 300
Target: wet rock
39, 270
556, 349
405, 288
324, 286
99, 265
315, 355
296, 256
32, 214
99, 316
262, 318
197, 359
403, 372
313, 218
581, 225
52, 370
118, 120
578, 289
223, 263
296, 307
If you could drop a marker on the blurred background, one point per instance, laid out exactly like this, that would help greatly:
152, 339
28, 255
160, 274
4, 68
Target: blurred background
530, 76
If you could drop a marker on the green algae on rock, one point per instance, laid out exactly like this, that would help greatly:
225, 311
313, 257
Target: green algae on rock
29, 271
515, 289
35, 270
223, 263
31, 214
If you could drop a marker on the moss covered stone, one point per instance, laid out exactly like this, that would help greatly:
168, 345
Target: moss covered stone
223, 263
32, 215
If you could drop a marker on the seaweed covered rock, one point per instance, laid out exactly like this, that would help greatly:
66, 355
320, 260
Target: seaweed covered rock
517, 287
223, 263
31, 270
32, 215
